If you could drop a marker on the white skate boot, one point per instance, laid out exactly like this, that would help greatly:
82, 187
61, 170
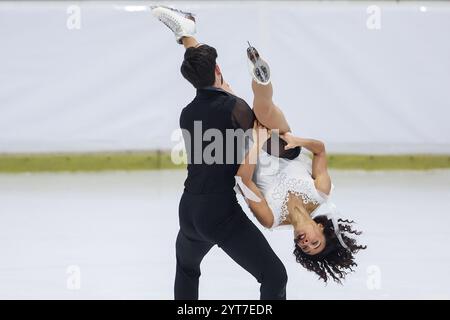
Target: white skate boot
259, 69
180, 22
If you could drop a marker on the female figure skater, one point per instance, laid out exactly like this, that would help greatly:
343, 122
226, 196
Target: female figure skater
294, 192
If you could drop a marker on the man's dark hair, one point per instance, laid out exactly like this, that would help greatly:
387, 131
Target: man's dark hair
199, 66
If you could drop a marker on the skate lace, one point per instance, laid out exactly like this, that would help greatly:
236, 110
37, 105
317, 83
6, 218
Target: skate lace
170, 22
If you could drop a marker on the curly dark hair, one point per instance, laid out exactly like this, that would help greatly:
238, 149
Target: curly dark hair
335, 261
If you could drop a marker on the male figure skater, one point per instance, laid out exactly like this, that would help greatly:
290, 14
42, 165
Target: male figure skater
209, 213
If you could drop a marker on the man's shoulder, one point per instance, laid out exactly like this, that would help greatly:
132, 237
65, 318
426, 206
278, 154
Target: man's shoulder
220, 102
241, 102
190, 105
230, 101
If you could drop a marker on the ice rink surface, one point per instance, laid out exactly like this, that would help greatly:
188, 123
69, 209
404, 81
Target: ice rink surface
118, 230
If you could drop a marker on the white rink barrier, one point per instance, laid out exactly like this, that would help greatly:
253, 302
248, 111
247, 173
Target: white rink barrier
93, 76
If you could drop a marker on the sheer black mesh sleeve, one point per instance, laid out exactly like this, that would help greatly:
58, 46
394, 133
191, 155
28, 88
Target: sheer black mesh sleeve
243, 117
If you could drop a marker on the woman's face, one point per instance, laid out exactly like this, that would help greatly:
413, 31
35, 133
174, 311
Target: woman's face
311, 239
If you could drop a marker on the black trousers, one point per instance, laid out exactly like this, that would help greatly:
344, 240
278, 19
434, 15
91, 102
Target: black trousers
206, 220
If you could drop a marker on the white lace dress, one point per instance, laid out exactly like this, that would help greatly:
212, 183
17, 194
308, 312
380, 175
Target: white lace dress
276, 177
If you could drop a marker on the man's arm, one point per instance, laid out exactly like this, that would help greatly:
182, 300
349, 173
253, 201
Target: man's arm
189, 42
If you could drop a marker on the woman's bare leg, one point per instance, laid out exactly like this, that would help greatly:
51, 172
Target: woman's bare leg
265, 110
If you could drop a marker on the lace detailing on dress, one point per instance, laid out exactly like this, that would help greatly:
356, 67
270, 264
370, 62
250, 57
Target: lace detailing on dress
300, 187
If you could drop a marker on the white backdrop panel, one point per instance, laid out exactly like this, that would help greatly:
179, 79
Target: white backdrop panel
115, 83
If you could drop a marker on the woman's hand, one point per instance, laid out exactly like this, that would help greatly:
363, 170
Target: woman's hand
260, 134
290, 140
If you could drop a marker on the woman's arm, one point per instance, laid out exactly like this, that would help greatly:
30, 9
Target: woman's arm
261, 209
320, 174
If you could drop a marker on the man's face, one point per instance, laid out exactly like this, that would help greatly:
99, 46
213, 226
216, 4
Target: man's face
219, 77
220, 81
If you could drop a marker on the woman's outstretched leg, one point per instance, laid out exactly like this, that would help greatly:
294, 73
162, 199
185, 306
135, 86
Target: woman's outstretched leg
265, 110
